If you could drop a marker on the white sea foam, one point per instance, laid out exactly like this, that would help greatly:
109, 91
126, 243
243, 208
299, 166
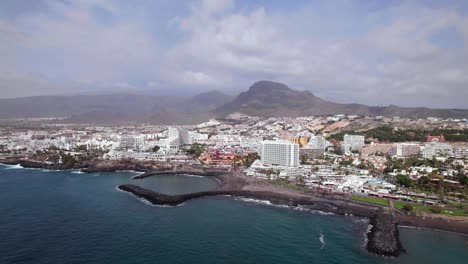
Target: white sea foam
47, 170
138, 173
322, 240
192, 175
321, 212
297, 208
369, 228
266, 202
13, 167
77, 172
360, 220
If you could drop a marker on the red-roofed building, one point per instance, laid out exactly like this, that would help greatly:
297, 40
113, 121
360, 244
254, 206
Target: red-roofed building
440, 138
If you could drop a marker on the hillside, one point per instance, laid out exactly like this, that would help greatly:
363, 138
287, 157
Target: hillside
263, 98
115, 108
271, 99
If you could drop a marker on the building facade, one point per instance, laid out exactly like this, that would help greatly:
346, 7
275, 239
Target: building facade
460, 152
437, 149
280, 153
352, 143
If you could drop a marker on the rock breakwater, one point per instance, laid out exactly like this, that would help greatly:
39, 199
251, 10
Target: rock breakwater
383, 237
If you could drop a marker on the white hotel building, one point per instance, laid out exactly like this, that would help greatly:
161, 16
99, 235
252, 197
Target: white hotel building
280, 153
352, 142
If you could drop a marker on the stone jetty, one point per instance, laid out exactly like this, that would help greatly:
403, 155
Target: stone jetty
383, 238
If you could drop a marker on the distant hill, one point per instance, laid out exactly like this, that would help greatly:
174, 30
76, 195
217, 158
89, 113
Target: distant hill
264, 98
115, 108
271, 99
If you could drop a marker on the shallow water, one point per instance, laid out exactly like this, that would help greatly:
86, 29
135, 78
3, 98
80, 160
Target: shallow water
65, 217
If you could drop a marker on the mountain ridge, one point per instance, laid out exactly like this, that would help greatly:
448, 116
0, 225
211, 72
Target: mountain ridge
271, 99
263, 98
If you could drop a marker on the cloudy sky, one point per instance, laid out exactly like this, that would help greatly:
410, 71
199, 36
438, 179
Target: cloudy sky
410, 53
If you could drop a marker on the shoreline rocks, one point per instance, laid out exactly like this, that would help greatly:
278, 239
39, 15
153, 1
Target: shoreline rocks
275, 198
383, 237
235, 185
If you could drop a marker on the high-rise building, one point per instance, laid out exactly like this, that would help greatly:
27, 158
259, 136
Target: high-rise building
352, 142
127, 142
461, 152
437, 149
173, 132
280, 153
182, 134
405, 150
318, 142
185, 138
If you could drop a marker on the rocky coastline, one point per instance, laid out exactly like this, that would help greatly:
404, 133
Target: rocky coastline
157, 198
35, 164
382, 239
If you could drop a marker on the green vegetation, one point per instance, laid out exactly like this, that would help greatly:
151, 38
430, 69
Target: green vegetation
435, 209
373, 200
402, 180
402, 205
196, 149
432, 209
346, 162
81, 148
155, 148
249, 159
408, 207
463, 179
387, 133
68, 161
287, 184
403, 164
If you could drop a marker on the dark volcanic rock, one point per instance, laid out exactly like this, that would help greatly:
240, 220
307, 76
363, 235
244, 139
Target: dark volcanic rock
163, 199
383, 237
313, 203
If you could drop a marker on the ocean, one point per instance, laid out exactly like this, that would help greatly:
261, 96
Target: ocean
72, 217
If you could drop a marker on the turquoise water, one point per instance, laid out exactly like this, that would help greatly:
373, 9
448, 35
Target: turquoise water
65, 217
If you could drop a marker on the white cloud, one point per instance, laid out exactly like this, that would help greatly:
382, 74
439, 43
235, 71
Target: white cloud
199, 78
395, 59
387, 57
77, 46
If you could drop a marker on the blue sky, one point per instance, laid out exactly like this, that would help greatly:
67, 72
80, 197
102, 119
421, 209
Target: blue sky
410, 53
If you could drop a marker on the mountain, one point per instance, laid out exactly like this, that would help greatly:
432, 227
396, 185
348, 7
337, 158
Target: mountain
271, 99
115, 108
264, 98
207, 100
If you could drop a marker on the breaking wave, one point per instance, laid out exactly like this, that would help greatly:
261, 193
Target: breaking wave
297, 208
13, 167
